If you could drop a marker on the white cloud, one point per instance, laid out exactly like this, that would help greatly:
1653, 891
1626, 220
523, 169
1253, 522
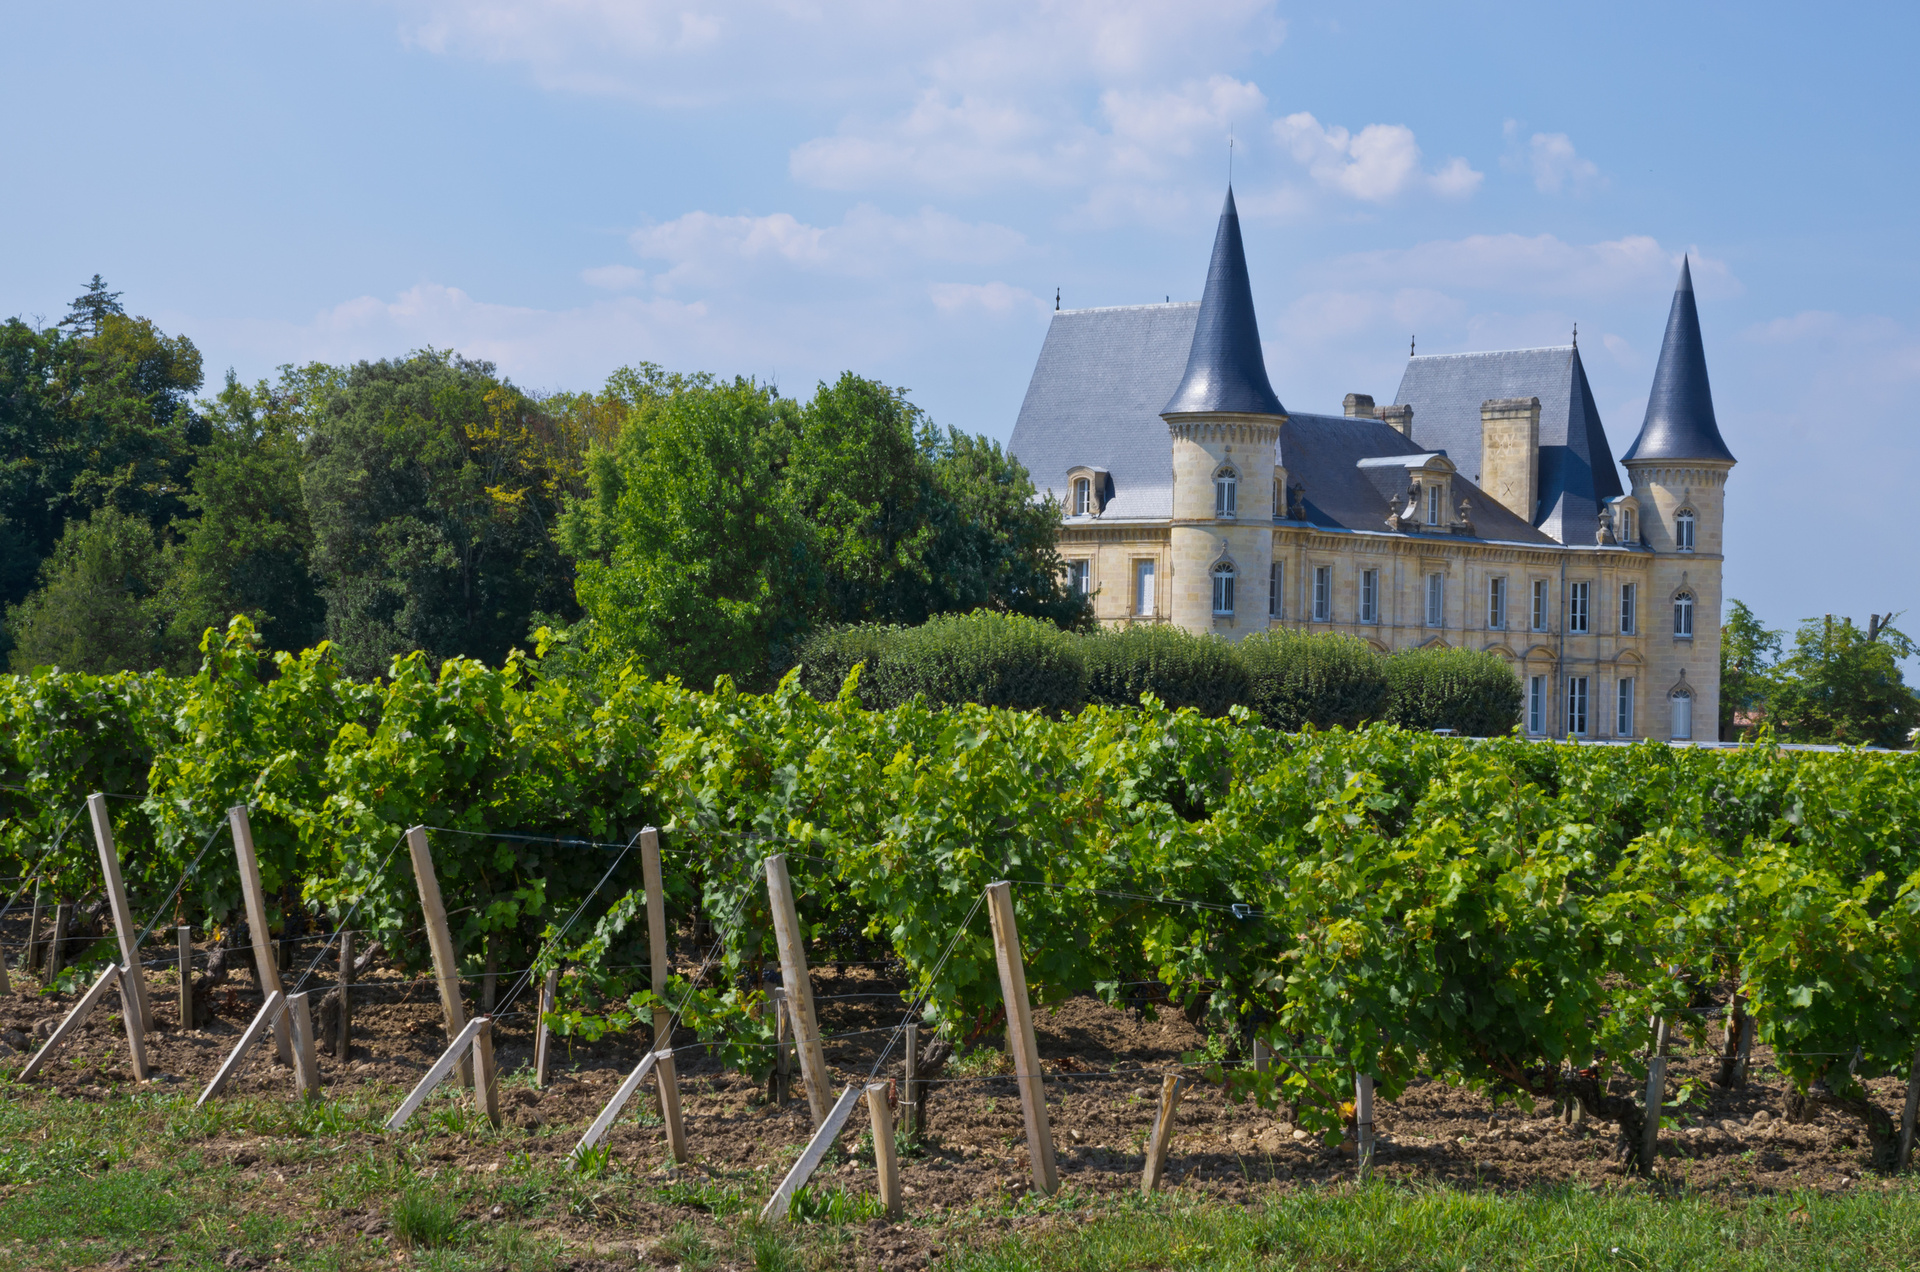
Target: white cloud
997, 299
1552, 161
1377, 164
613, 277
1540, 265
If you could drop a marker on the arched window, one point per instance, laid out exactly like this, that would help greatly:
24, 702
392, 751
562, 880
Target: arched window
1226, 498
1683, 615
1082, 496
1682, 723
1223, 588
1683, 531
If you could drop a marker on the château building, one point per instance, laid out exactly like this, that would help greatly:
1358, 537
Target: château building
1482, 508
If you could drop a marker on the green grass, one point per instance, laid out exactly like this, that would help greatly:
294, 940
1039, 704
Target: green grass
1392, 1229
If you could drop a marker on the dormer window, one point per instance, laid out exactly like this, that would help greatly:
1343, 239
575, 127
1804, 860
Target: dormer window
1226, 499
1626, 525
1683, 531
1433, 505
1223, 589
1082, 496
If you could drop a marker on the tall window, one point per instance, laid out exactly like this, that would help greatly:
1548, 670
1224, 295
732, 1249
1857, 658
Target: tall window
1225, 493
1279, 500
1497, 604
1080, 576
1682, 723
1322, 593
1143, 588
1683, 615
1623, 708
1082, 496
1577, 705
1433, 505
1540, 611
1223, 588
1436, 600
1626, 525
1276, 587
1627, 616
1369, 596
1683, 531
1536, 704
1577, 606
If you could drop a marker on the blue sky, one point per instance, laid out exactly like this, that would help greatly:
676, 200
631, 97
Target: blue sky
786, 190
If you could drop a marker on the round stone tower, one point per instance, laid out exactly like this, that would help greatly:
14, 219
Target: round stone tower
1224, 424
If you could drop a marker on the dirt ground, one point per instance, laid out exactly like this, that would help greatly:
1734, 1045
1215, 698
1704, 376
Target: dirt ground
1104, 1075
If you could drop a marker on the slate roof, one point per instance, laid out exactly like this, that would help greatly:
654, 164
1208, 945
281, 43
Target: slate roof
1095, 400
1576, 473
1226, 370
1680, 422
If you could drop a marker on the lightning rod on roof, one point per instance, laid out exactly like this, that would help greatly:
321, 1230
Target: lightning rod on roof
1576, 335
1410, 340
1056, 300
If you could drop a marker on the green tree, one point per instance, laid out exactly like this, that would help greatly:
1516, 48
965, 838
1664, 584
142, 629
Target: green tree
997, 543
1748, 652
432, 502
101, 605
1843, 685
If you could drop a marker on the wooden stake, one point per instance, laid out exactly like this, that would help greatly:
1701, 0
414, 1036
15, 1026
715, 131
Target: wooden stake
183, 951
1262, 1056
1363, 1124
255, 898
456, 1052
268, 1017
782, 1048
910, 1084
793, 968
1745, 1052
664, 1073
74, 1019
6, 985
1157, 1143
56, 953
885, 1164
446, 963
343, 1043
1020, 1037
306, 1063
618, 1102
542, 1036
775, 1211
35, 959
486, 1077
1656, 1090
123, 927
1907, 1117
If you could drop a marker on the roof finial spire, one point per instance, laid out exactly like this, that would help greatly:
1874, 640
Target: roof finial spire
1576, 335
1411, 342
1056, 300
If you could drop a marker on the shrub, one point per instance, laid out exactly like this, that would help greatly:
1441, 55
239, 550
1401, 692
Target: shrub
996, 660
1318, 678
1176, 666
1460, 689
828, 655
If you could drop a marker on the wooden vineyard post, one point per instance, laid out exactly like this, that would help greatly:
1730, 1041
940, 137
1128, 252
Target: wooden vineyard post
74, 1019
269, 1014
1363, 1124
56, 952
306, 1060
1020, 1037
446, 964
1656, 1090
910, 1084
135, 980
1909, 1115
793, 968
486, 1076
6, 984
664, 1073
775, 1211
256, 903
781, 1081
1744, 1053
542, 1036
618, 1102
183, 949
34, 959
456, 1051
885, 1164
1170, 1088
343, 1041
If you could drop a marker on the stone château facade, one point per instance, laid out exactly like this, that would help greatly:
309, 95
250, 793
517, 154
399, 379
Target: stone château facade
1483, 508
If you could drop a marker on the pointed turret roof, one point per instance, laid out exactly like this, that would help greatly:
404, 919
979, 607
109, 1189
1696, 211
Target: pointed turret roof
1225, 368
1680, 423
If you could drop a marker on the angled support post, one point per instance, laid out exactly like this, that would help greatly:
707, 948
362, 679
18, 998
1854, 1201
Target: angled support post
618, 1102
446, 961
1020, 1037
799, 987
456, 1052
264, 961
74, 1019
269, 1015
775, 1211
664, 1073
123, 925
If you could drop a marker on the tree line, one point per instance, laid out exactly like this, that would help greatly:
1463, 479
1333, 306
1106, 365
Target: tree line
1837, 683
426, 503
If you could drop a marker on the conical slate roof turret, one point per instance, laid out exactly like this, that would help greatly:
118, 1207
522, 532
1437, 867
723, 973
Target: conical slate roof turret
1680, 423
1225, 368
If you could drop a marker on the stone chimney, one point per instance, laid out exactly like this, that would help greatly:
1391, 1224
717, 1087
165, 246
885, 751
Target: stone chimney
1360, 406
1510, 453
1401, 417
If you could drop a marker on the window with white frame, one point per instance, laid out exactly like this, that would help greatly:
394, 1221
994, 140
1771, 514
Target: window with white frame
1628, 604
1497, 604
1577, 705
1143, 588
1080, 576
1436, 600
1276, 587
1626, 525
1680, 727
1577, 594
1433, 505
1683, 531
1223, 588
1322, 593
1683, 615
1623, 707
1279, 500
1082, 496
1226, 498
1540, 611
1369, 596
1536, 704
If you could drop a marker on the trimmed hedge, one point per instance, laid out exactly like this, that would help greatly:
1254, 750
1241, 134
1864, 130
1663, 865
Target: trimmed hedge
1318, 678
1459, 689
1174, 665
828, 656
996, 660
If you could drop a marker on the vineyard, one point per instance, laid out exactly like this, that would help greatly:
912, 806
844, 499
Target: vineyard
1322, 923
